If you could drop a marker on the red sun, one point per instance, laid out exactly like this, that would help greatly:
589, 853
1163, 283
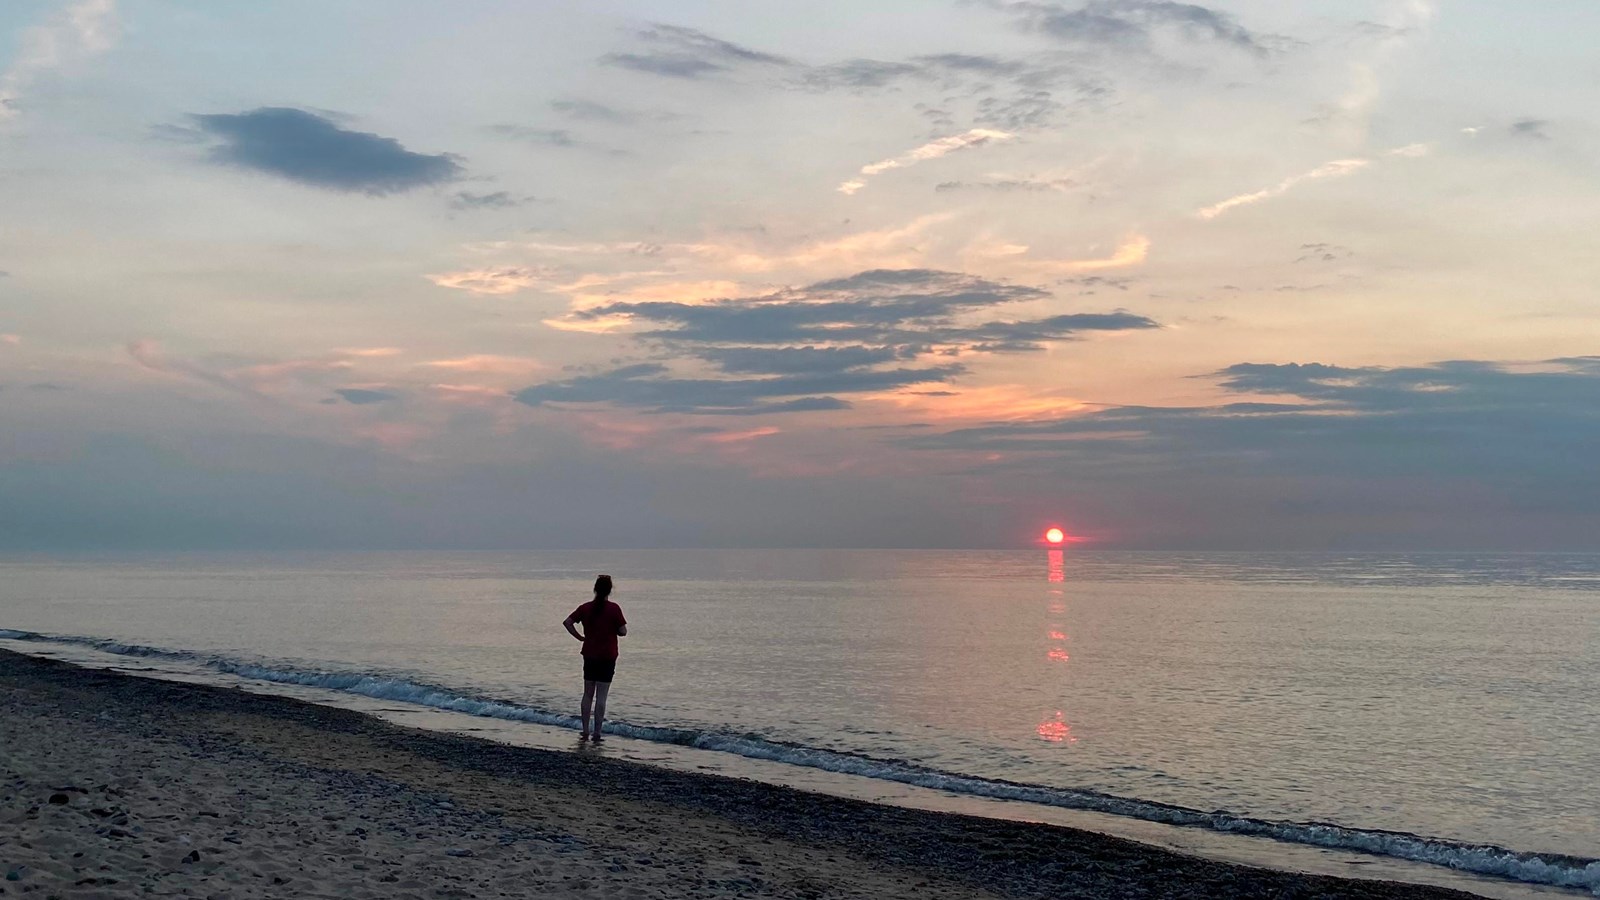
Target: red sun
1055, 536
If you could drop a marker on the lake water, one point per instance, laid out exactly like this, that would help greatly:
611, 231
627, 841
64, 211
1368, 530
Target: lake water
1434, 707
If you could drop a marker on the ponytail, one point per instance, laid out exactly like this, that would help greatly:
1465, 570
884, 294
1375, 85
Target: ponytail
602, 590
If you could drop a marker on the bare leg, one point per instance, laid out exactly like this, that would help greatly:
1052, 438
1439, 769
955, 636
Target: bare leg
588, 699
601, 689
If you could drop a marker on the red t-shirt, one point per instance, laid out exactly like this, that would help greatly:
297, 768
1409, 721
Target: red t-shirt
600, 636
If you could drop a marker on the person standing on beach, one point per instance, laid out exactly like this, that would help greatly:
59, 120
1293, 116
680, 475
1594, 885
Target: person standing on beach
603, 623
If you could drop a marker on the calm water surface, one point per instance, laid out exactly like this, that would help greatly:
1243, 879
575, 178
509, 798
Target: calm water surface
1451, 696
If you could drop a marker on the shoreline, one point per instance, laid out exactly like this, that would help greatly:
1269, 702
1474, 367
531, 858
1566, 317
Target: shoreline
259, 788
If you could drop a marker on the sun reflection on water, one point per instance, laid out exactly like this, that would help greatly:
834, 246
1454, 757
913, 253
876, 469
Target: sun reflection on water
1055, 729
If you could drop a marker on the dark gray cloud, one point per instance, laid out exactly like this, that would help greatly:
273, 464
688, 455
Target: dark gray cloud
310, 149
645, 386
1133, 23
363, 396
1450, 455
678, 52
1449, 419
796, 360
843, 336
1530, 128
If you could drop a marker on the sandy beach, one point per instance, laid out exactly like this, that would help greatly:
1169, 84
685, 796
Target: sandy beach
119, 786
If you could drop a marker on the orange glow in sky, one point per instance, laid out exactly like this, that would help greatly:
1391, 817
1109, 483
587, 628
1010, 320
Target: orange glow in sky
1055, 536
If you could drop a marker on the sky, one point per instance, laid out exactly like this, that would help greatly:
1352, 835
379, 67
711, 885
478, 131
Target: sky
880, 273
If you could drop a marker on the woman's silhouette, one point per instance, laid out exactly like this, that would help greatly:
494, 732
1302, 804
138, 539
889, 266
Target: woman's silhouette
603, 623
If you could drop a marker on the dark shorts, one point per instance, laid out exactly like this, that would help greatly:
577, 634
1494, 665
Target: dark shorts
599, 669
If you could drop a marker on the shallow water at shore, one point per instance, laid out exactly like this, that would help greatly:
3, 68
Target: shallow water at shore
1436, 695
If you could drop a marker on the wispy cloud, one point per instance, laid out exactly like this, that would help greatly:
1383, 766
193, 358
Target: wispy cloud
492, 200
1133, 23
1335, 169
365, 396
488, 364
1133, 250
10, 340
1406, 20
674, 51
493, 281
1011, 185
83, 29
976, 137
369, 352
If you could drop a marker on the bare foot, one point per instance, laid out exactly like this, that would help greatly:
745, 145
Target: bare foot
583, 735
598, 739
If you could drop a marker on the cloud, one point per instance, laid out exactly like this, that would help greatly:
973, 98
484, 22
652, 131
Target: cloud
590, 111
1133, 250
1133, 23
1033, 91
1459, 419
1406, 20
796, 360
84, 28
591, 270
678, 52
1448, 455
494, 281
1010, 185
643, 386
148, 355
309, 149
670, 65
1323, 253
555, 137
869, 333
1336, 169
11, 340
488, 364
495, 200
369, 352
1026, 92
364, 396
873, 73
1530, 128
1410, 151
975, 137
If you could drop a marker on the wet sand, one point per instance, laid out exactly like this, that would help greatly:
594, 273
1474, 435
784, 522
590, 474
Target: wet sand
117, 786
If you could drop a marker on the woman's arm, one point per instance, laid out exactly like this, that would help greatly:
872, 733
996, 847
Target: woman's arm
570, 630
622, 631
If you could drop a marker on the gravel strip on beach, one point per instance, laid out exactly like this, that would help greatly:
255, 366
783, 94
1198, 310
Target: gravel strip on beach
116, 786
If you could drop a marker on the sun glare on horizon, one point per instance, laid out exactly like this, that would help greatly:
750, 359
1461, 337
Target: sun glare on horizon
1054, 536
